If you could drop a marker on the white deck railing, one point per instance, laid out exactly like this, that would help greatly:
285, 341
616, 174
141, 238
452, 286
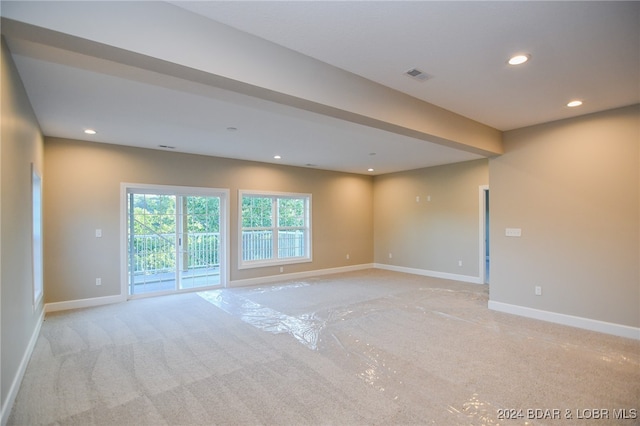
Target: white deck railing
156, 253
258, 245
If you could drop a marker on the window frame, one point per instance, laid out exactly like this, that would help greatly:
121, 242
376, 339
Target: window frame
275, 227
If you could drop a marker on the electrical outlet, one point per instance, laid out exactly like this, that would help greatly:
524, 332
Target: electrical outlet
459, 262
390, 255
98, 281
281, 269
347, 256
98, 233
538, 290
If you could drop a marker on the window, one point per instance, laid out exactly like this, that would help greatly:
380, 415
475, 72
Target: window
36, 198
276, 228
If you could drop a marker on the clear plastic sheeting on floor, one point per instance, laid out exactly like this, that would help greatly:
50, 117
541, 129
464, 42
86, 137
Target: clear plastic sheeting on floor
305, 328
412, 338
367, 347
305, 309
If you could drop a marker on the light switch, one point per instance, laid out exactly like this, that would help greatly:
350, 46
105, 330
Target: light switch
98, 233
513, 232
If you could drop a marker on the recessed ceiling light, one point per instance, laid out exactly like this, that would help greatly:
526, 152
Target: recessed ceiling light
518, 59
277, 157
90, 131
369, 169
574, 104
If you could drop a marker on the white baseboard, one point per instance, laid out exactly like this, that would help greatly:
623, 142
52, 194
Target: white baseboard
17, 380
570, 320
297, 275
84, 303
564, 319
427, 273
106, 300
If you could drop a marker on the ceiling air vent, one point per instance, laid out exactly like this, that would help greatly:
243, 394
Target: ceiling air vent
417, 74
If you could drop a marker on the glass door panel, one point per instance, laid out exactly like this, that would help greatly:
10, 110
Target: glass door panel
174, 242
200, 242
152, 243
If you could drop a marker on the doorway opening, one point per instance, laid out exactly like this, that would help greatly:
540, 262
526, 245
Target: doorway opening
175, 239
485, 262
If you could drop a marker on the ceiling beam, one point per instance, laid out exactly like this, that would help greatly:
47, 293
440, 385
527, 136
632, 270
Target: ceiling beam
165, 39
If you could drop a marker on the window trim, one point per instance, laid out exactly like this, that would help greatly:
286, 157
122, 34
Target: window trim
275, 261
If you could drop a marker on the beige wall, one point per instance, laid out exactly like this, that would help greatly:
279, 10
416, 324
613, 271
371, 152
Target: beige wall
430, 235
573, 188
20, 146
83, 194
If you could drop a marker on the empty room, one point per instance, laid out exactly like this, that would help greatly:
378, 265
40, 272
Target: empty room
310, 212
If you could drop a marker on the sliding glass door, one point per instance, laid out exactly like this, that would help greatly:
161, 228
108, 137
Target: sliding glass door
175, 240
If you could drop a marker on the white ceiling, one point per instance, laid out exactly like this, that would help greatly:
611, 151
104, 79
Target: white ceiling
584, 50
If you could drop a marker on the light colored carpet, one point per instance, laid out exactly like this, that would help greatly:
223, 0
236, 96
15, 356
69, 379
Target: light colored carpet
370, 347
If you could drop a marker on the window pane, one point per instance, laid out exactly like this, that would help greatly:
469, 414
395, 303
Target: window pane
154, 239
291, 243
202, 223
257, 245
37, 236
156, 213
257, 212
197, 205
291, 212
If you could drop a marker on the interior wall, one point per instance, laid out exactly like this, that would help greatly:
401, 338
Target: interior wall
573, 188
20, 146
428, 219
82, 194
